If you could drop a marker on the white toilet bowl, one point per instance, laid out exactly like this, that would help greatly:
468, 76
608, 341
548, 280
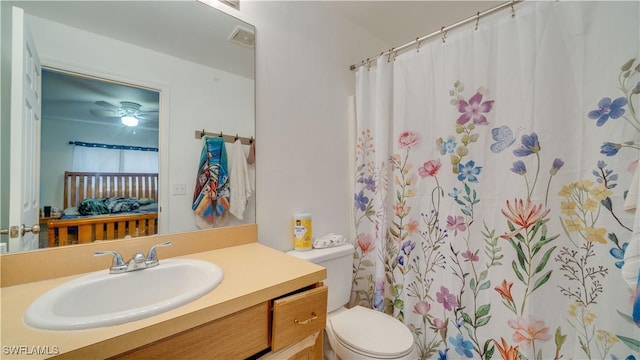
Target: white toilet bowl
359, 332
362, 333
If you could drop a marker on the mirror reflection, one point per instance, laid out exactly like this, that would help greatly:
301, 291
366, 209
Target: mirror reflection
138, 48
99, 160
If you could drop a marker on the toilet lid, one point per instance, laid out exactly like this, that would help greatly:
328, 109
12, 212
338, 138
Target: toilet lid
372, 332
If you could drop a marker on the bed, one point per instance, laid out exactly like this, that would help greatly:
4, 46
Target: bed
82, 188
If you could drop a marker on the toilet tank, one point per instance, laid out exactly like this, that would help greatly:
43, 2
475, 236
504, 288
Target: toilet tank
338, 261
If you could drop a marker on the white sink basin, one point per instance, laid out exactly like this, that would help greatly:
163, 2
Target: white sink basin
102, 299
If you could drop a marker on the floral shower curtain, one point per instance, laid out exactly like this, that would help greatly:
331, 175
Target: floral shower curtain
491, 172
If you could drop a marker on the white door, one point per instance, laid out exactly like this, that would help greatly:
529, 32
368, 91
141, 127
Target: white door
24, 184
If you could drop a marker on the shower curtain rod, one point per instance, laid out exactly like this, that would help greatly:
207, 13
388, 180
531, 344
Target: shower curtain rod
442, 32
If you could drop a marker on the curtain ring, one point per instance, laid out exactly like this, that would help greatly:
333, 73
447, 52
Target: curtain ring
202, 134
389, 55
513, 11
417, 44
477, 20
221, 134
368, 64
444, 35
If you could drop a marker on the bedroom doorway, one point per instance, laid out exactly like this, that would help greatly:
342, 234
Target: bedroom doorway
20, 188
93, 125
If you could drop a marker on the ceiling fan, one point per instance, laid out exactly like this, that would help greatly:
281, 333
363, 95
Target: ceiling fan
128, 112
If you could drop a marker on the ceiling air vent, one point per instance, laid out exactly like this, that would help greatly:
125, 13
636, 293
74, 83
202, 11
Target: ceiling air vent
244, 37
233, 3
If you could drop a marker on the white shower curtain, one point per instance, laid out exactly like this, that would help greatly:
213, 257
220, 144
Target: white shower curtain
491, 169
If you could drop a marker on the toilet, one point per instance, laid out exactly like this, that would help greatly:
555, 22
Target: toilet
358, 332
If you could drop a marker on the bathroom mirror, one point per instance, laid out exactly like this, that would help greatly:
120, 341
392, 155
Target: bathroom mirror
200, 59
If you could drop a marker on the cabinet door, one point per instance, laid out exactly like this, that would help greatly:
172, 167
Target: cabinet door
297, 316
236, 336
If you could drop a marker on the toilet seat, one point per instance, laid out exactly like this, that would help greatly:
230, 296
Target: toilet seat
371, 333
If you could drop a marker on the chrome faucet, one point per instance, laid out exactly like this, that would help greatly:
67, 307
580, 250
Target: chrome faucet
137, 262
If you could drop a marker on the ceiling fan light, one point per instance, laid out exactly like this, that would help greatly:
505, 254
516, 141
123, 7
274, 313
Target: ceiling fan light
129, 121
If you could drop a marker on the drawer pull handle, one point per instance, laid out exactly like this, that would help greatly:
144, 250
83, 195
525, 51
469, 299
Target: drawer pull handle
303, 322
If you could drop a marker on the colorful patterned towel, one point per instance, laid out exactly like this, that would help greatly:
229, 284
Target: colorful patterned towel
211, 194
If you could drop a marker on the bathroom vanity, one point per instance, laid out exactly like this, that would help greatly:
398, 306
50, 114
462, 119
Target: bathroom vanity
269, 305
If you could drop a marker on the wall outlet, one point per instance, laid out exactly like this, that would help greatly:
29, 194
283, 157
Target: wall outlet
179, 189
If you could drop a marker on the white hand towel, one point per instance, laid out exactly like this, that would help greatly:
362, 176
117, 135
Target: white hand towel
240, 183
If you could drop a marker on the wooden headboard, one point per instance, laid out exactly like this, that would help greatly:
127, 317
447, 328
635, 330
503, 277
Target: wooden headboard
82, 185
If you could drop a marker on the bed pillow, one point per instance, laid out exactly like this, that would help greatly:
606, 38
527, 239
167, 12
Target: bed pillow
145, 201
71, 211
152, 207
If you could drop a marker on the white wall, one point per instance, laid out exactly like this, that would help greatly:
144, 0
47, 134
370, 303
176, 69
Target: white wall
193, 96
303, 82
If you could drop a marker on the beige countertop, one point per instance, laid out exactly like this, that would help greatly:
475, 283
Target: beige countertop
253, 274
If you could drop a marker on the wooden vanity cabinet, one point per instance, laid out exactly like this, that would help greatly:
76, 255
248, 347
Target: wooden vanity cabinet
236, 336
289, 327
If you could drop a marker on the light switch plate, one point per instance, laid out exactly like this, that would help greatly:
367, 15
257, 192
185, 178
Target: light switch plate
179, 189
